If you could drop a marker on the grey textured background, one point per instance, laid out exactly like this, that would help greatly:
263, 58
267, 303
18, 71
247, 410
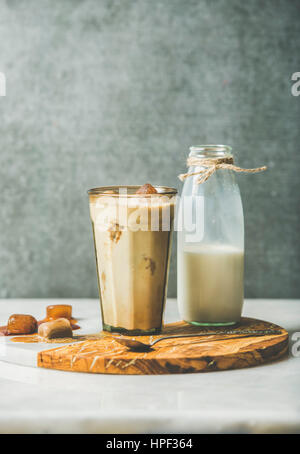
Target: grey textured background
114, 91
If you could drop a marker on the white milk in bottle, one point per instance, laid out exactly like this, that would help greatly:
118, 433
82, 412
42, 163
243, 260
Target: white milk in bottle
210, 243
212, 283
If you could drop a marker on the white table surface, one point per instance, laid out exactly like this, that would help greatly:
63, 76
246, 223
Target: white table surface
259, 399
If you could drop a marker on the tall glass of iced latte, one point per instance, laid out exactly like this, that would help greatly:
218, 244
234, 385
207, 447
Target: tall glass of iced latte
132, 229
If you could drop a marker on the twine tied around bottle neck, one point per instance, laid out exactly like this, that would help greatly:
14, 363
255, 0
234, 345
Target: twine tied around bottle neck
210, 165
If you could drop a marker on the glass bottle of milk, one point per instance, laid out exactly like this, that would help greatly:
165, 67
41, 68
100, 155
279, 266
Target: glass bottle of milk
210, 242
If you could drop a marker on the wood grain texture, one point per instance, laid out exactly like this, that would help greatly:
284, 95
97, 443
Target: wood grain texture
173, 356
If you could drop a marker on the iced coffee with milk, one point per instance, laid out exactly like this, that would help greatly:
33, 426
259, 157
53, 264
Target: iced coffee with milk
132, 229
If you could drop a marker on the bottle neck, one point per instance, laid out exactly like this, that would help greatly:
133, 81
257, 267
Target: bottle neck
210, 152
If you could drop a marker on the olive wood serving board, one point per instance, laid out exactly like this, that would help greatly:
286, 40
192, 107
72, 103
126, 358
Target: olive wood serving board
172, 356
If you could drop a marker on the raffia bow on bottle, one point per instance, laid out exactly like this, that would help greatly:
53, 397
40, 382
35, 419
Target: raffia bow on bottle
210, 165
